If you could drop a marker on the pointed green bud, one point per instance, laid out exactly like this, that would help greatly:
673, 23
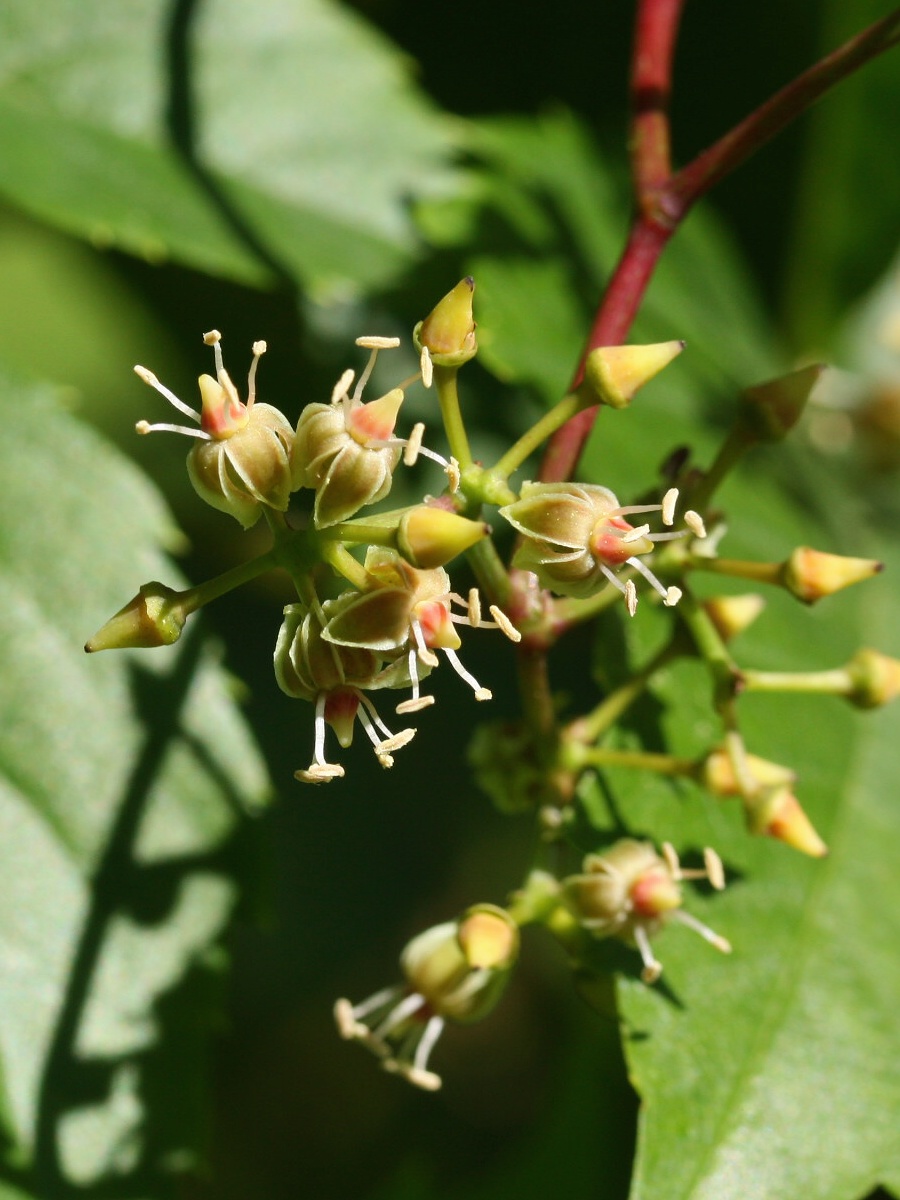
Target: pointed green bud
776, 812
810, 574
769, 411
731, 615
155, 617
429, 537
614, 374
448, 332
717, 773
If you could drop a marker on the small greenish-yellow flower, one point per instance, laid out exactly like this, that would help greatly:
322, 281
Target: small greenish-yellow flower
242, 459
409, 612
576, 538
629, 892
455, 972
333, 678
875, 678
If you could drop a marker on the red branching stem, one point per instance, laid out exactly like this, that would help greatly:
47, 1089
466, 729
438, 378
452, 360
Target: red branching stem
723, 156
656, 28
615, 315
662, 199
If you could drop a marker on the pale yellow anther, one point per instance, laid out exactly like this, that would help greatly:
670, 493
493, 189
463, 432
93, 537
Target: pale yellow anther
652, 971
426, 366
378, 343
413, 444
347, 1025
384, 760
695, 524
142, 427
673, 595
635, 535
473, 608
342, 387
212, 338
411, 706
631, 597
504, 624
428, 657
259, 348
670, 854
396, 742
320, 773
453, 476
148, 377
669, 500
483, 693
715, 872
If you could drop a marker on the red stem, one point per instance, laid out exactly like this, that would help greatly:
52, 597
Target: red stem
662, 199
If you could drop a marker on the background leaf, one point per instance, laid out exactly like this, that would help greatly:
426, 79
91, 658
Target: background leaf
123, 780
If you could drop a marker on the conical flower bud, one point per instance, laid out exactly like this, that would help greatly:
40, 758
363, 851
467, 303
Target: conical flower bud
717, 773
875, 678
448, 332
769, 411
155, 617
776, 812
614, 374
811, 574
731, 615
429, 537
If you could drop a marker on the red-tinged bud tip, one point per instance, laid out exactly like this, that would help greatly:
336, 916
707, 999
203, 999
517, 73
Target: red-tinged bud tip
448, 332
375, 421
221, 413
778, 814
488, 937
810, 574
614, 374
429, 537
654, 893
340, 713
155, 617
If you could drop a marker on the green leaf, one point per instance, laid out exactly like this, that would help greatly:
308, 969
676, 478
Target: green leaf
306, 139
771, 1073
123, 780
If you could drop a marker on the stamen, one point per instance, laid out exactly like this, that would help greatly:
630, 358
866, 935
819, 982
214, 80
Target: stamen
401, 1012
426, 656
396, 741
635, 535
426, 367
259, 349
673, 595
473, 608
669, 500
614, 579
433, 1031
323, 773
695, 524
631, 597
165, 427
387, 995
504, 624
715, 871
652, 966
453, 474
413, 445
364, 378
648, 575
708, 935
414, 704
342, 387
373, 342
481, 693
670, 854
150, 379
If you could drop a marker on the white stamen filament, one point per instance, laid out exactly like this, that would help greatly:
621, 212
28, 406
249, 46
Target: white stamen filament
364, 378
150, 379
401, 1012
319, 744
259, 349
433, 1031
708, 935
481, 693
652, 966
165, 427
648, 575
428, 657
386, 996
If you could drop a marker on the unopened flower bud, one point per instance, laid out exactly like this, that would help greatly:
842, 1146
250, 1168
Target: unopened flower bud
770, 410
810, 574
776, 812
731, 615
875, 678
448, 332
429, 537
718, 775
155, 617
614, 374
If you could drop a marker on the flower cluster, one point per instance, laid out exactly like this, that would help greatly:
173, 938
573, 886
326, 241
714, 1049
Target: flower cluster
376, 611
